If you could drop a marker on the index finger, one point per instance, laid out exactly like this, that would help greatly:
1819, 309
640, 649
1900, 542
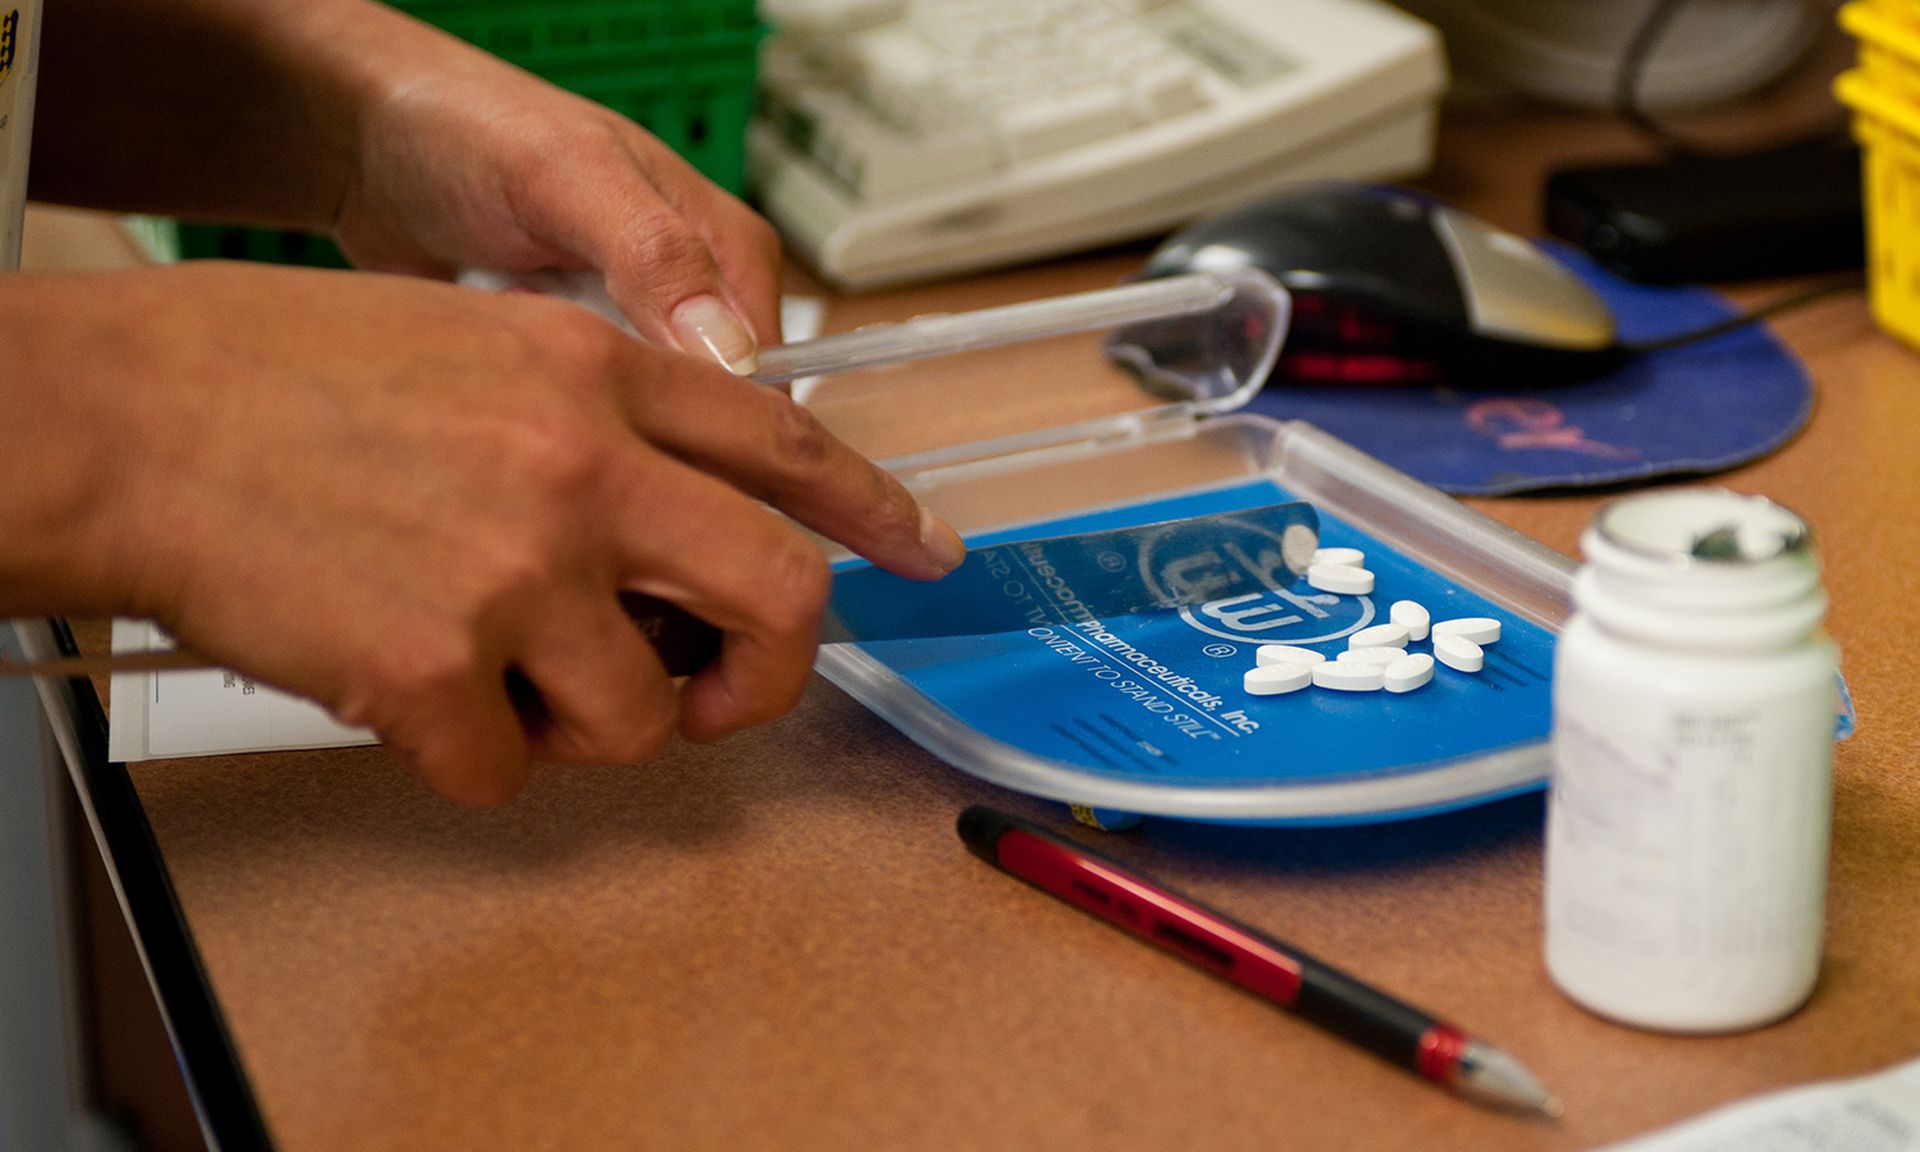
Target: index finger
763, 443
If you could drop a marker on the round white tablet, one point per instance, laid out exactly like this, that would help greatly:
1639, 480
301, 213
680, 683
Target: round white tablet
1379, 636
1342, 579
1458, 652
1277, 679
1268, 654
1412, 616
1482, 630
1409, 672
1348, 676
1350, 557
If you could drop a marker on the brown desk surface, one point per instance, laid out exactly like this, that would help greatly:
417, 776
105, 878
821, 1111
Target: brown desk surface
778, 942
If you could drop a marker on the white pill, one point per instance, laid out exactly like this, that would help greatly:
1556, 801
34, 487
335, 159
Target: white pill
1277, 679
1338, 557
1412, 616
1409, 672
1349, 676
1379, 636
1268, 654
1479, 629
1458, 652
1343, 579
1380, 656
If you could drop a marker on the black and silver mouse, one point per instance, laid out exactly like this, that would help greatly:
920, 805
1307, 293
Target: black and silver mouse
1391, 288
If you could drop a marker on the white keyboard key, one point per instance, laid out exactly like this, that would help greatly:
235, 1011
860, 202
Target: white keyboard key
831, 15
1050, 124
1121, 46
881, 163
877, 160
888, 60
1166, 88
964, 30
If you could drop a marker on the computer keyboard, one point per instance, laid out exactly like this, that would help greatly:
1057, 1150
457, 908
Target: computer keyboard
901, 139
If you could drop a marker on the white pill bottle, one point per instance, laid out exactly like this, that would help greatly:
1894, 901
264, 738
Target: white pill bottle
1687, 827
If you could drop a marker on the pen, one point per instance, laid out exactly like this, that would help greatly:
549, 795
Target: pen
1256, 962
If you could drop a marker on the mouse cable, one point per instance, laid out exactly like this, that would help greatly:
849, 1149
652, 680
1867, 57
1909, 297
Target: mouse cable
1633, 65
1820, 289
1630, 73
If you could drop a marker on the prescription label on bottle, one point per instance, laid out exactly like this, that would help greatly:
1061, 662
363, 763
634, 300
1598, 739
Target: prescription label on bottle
1682, 838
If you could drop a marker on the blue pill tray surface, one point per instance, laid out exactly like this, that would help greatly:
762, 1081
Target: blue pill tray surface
1147, 713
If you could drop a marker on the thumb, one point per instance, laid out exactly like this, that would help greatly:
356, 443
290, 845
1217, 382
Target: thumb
660, 271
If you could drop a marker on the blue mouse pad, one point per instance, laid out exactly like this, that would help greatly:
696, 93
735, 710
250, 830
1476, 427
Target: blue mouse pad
1698, 408
1157, 697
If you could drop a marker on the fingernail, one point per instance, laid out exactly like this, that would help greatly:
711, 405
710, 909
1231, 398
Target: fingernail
941, 541
705, 322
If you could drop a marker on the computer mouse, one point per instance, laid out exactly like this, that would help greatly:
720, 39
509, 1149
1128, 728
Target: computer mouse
1390, 287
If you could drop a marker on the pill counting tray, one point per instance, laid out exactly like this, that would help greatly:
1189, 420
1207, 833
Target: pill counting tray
1130, 422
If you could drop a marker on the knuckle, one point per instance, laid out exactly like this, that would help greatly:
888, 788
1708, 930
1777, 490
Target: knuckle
796, 585
426, 666
797, 441
578, 341
507, 578
676, 261
559, 459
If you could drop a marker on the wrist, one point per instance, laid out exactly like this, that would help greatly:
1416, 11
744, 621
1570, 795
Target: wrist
364, 62
64, 469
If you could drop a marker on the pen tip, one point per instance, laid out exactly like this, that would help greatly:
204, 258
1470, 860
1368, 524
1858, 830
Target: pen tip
1493, 1077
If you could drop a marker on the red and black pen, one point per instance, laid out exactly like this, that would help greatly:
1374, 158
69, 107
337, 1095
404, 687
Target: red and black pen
1256, 962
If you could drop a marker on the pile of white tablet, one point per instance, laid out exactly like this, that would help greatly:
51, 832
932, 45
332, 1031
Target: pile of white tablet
1376, 658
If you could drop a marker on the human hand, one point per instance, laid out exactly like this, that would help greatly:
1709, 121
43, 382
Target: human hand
389, 495
475, 164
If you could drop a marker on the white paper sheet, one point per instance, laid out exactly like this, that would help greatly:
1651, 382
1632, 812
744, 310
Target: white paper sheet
1879, 1113
207, 712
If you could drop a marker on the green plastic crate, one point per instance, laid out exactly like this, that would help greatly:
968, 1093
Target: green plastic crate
220, 242
586, 30
682, 69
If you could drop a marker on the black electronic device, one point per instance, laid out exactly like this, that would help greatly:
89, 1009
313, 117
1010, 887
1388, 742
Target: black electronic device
1393, 288
1783, 211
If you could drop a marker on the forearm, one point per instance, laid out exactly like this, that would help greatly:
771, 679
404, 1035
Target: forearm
59, 462
238, 110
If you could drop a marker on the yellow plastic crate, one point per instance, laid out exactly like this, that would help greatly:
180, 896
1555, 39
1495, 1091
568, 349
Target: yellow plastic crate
1905, 11
1889, 38
1884, 93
